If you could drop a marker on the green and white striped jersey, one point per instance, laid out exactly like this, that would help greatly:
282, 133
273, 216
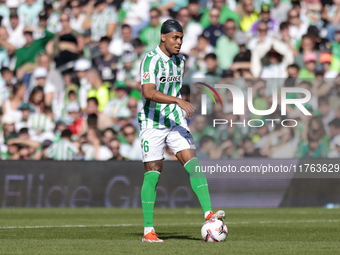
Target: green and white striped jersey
100, 22
167, 74
40, 122
28, 15
62, 150
4, 93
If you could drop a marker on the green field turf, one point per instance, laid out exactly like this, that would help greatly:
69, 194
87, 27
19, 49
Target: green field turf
119, 231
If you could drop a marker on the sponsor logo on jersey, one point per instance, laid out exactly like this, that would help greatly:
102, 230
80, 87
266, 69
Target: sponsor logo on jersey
146, 75
170, 78
151, 54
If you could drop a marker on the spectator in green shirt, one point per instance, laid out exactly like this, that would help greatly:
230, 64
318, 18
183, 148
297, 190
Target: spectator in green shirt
225, 14
151, 35
213, 71
32, 48
226, 46
336, 48
314, 148
202, 128
310, 63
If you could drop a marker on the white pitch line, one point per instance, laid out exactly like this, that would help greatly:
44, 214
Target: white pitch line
164, 224
284, 221
72, 226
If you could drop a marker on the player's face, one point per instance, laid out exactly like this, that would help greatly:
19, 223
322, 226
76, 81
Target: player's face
173, 42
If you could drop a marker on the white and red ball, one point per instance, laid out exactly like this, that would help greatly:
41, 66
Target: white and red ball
214, 231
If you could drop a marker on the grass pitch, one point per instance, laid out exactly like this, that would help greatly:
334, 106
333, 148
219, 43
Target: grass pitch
119, 231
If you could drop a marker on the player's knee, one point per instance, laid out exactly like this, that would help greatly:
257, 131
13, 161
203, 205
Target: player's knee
153, 166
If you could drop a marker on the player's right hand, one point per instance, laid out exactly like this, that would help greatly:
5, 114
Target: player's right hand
187, 107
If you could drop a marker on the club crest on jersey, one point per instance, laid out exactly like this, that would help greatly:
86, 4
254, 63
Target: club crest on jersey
151, 54
170, 78
146, 75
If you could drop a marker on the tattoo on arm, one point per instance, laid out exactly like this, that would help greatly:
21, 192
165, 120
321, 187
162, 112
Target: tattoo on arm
154, 94
153, 166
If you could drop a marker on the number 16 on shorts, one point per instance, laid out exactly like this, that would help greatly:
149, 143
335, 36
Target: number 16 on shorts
177, 138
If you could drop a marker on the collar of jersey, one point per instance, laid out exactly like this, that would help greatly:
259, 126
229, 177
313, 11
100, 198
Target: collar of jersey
161, 53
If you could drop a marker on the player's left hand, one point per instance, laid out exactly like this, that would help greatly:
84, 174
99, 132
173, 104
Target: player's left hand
187, 107
192, 110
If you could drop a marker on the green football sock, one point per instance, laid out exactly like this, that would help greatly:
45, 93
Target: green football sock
148, 195
199, 184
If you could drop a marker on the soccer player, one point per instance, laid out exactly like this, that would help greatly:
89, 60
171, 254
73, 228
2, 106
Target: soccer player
162, 121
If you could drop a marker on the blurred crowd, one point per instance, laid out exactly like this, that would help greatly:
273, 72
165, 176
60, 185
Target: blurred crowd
294, 135
70, 81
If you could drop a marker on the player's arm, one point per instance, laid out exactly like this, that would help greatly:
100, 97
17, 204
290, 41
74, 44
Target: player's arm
151, 93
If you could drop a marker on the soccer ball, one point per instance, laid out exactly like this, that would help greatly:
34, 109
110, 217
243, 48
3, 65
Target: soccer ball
214, 231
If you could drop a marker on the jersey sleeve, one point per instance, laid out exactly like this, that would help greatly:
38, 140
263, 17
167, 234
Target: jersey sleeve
149, 69
51, 151
112, 16
73, 148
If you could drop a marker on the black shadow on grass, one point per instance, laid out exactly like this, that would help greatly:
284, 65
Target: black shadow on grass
178, 236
